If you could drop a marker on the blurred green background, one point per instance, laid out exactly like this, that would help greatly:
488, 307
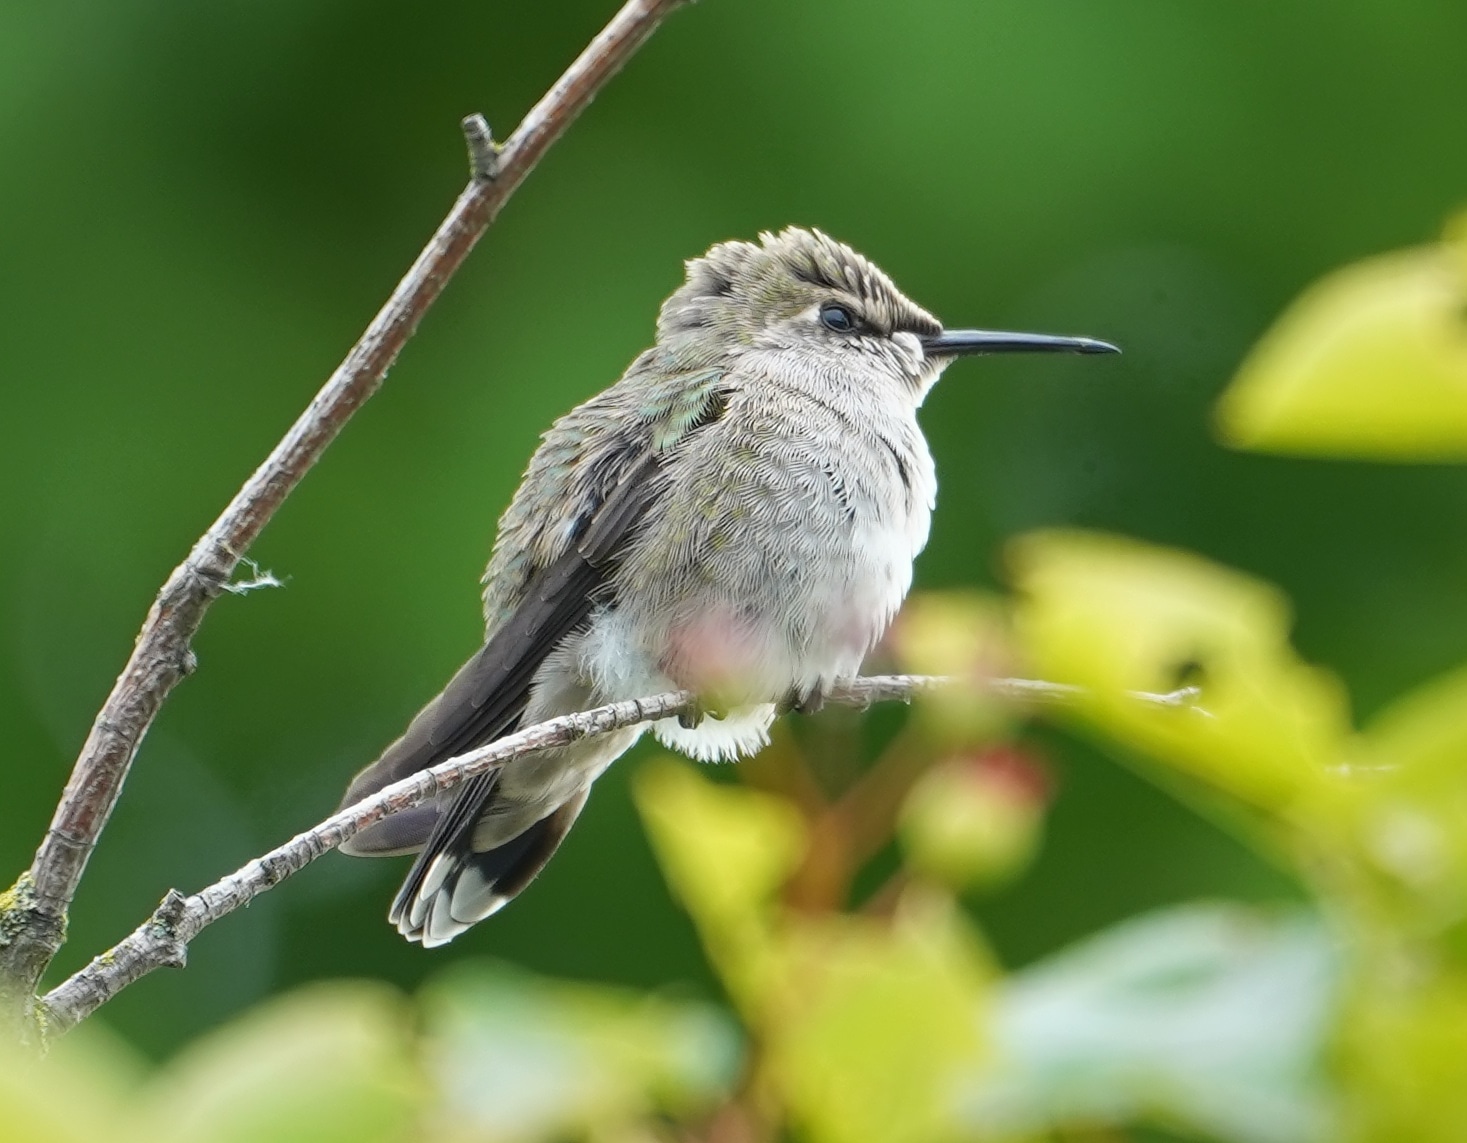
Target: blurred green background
203, 204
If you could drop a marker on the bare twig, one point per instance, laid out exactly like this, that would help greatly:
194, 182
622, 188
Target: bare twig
162, 941
33, 924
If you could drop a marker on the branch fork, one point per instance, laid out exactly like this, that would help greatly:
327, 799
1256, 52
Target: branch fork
33, 913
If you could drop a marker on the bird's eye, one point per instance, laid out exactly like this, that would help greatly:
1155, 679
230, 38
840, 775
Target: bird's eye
837, 318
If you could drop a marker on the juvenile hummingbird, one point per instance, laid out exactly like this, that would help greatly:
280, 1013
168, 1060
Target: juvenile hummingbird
738, 515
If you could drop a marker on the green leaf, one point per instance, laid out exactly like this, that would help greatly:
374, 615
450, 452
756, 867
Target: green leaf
1413, 825
1370, 362
79, 1093
1212, 1017
1117, 617
520, 1058
725, 851
879, 1023
1427, 728
1404, 1054
867, 1024
328, 1063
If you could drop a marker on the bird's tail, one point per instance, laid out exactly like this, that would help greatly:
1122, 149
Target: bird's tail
451, 887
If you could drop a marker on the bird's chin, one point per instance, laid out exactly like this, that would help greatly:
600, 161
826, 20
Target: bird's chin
925, 377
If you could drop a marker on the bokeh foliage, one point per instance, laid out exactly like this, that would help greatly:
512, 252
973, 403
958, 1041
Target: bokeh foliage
203, 205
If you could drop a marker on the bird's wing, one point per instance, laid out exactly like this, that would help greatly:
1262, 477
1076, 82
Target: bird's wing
486, 696
485, 699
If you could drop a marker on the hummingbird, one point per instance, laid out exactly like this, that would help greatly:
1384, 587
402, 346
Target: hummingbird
738, 515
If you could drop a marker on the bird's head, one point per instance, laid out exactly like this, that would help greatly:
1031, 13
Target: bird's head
817, 304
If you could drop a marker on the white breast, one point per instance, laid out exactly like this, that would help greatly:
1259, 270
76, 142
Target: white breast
778, 558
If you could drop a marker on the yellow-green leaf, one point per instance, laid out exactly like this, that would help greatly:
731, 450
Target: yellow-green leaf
880, 1030
324, 1064
1414, 823
1370, 362
1121, 619
1416, 1090
724, 850
79, 1093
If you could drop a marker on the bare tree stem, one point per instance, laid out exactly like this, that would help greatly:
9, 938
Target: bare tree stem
162, 940
33, 912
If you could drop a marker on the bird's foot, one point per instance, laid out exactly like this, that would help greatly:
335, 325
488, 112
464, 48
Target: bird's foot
802, 702
693, 717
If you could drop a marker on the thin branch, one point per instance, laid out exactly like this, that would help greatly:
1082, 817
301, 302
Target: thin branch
162, 940
35, 911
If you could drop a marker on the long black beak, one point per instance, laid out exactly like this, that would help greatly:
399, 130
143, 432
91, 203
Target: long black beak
967, 342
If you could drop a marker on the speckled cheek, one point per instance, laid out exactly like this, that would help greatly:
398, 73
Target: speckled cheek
909, 351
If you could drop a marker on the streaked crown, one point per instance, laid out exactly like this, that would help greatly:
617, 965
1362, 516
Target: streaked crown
739, 288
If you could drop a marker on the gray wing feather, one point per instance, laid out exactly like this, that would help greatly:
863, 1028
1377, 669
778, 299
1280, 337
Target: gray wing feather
485, 699
549, 570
